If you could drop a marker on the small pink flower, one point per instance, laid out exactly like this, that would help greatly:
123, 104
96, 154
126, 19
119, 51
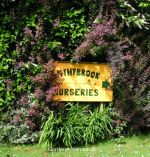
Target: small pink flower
127, 56
28, 32
8, 83
32, 43
38, 93
40, 79
24, 100
17, 117
111, 2
51, 92
32, 112
61, 56
20, 64
30, 124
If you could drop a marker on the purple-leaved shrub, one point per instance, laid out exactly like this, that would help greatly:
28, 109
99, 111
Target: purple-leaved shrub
96, 37
46, 83
131, 80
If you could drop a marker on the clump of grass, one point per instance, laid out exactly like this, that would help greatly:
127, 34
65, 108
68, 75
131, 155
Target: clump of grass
74, 125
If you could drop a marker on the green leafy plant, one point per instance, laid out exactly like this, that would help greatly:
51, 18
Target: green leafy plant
134, 13
17, 134
22, 122
70, 28
27, 48
74, 125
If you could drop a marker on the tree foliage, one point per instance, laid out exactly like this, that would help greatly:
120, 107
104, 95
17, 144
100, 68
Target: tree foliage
34, 33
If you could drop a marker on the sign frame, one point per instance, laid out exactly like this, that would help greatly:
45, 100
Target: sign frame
96, 77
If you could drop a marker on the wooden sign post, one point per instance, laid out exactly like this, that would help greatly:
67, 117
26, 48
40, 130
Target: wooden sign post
87, 82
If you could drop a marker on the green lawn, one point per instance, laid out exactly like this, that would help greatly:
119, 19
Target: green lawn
136, 146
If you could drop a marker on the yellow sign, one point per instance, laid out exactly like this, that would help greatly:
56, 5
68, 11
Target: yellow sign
84, 82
